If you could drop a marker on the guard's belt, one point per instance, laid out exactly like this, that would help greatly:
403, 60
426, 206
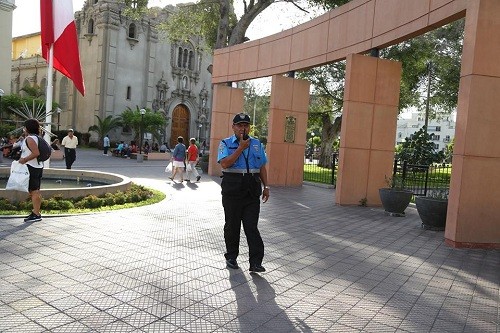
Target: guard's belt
241, 171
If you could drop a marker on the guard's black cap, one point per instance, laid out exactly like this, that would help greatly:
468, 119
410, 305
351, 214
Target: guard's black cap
241, 118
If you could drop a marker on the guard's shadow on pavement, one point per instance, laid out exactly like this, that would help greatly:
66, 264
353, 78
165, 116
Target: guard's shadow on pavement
262, 305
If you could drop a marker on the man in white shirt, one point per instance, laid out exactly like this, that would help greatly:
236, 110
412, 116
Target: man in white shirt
70, 142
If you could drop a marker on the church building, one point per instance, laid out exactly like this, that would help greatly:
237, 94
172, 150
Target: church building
125, 64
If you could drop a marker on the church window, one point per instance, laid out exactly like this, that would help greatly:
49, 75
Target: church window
179, 58
132, 31
191, 59
185, 58
90, 26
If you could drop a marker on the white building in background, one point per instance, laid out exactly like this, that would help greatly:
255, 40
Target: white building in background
442, 131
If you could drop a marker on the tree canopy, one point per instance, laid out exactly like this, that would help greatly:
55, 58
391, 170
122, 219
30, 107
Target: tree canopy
216, 21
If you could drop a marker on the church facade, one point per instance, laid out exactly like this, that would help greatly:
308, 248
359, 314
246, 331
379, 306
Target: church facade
126, 64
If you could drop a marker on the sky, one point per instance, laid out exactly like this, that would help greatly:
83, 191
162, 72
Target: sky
26, 17
26, 20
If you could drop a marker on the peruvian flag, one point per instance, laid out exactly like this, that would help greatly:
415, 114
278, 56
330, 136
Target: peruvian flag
59, 31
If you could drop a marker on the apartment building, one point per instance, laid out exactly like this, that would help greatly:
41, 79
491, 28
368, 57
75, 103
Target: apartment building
442, 131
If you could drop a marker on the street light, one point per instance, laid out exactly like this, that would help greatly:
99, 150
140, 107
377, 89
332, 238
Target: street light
428, 99
1, 110
200, 125
143, 112
58, 110
312, 147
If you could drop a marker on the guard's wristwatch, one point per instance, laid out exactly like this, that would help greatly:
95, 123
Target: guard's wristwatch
266, 187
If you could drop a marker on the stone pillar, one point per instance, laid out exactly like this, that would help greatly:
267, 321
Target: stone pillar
473, 218
289, 99
227, 102
368, 132
6, 8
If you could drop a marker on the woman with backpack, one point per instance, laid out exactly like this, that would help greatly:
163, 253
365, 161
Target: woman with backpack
29, 156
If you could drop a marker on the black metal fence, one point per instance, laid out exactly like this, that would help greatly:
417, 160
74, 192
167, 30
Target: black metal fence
423, 179
321, 171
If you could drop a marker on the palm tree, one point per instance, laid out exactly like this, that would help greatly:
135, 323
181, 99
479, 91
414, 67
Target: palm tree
104, 126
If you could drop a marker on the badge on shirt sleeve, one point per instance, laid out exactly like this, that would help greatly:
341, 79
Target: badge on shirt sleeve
221, 147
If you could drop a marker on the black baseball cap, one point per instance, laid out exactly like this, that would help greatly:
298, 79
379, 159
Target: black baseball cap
241, 118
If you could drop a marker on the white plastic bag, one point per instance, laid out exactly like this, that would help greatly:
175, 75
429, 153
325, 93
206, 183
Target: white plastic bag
189, 167
168, 168
19, 178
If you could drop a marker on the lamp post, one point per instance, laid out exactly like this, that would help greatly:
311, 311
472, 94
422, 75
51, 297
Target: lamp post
312, 146
143, 112
200, 125
1, 110
58, 110
427, 102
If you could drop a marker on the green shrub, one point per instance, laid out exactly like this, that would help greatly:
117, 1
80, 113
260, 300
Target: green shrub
136, 193
90, 201
6, 205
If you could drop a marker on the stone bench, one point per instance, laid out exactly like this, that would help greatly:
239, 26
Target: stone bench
158, 156
153, 156
57, 155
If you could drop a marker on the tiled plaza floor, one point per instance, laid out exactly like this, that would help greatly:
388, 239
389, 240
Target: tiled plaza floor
161, 268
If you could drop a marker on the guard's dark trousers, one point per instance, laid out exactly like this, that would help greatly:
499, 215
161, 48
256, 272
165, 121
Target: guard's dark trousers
243, 209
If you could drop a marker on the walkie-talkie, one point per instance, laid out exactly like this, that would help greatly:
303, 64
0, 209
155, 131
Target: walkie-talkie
245, 135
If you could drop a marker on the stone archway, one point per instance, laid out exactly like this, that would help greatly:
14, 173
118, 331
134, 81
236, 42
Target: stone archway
364, 25
180, 124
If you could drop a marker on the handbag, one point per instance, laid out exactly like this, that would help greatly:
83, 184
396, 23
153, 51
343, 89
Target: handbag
168, 168
19, 178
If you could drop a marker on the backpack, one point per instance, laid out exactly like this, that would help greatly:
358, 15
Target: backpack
44, 149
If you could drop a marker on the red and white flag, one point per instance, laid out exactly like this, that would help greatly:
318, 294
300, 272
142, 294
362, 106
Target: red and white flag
59, 28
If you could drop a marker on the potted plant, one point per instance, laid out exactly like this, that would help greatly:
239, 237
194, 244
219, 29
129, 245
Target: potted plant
395, 198
432, 209
204, 163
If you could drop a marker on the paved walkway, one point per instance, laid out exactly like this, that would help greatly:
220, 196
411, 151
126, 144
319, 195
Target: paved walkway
161, 268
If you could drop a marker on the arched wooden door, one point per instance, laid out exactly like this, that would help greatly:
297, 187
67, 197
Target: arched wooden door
180, 124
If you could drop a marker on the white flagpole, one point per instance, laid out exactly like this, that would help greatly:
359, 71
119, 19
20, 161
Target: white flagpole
48, 94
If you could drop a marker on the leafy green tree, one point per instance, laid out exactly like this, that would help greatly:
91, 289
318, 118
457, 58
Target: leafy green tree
216, 21
441, 47
104, 126
448, 152
325, 106
35, 91
153, 122
419, 149
257, 106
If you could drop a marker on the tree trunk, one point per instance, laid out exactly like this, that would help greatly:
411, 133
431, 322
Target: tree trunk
329, 134
223, 24
250, 13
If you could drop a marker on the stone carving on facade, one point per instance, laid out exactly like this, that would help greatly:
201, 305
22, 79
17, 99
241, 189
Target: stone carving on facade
162, 88
203, 105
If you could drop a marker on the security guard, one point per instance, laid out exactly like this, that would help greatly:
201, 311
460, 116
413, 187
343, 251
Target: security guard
243, 161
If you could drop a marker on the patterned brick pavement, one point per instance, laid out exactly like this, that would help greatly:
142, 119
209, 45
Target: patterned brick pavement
161, 268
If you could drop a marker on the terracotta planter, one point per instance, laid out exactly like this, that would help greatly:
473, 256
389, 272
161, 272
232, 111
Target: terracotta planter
432, 212
395, 201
